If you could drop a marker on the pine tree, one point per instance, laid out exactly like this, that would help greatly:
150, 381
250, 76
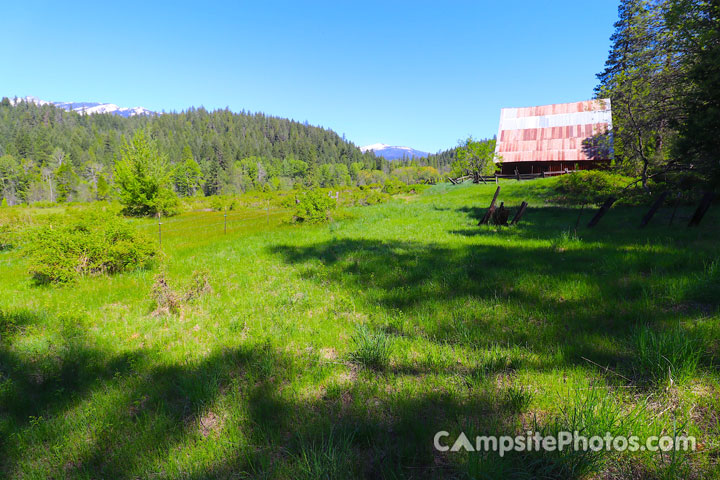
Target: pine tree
639, 78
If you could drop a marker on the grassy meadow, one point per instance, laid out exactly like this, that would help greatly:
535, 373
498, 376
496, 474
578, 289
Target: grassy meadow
339, 350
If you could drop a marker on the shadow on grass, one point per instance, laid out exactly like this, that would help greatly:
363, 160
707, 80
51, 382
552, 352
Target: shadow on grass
564, 297
143, 415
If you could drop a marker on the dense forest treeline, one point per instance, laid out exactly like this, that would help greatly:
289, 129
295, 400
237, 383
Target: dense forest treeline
49, 154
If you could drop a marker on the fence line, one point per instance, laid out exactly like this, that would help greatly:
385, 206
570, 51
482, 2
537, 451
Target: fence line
226, 222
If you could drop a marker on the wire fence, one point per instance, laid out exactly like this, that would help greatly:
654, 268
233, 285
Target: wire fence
212, 223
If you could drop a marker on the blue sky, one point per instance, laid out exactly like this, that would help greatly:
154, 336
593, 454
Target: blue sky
421, 74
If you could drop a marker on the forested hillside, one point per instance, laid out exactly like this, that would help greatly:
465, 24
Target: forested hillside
49, 154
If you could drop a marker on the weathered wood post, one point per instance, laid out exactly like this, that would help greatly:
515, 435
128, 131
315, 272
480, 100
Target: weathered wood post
655, 206
519, 214
490, 211
701, 209
603, 210
577, 222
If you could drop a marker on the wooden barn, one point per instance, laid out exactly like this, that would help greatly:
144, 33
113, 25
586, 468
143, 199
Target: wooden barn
555, 138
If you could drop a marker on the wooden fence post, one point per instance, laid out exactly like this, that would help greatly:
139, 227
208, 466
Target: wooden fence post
577, 222
490, 211
603, 210
655, 206
519, 213
701, 209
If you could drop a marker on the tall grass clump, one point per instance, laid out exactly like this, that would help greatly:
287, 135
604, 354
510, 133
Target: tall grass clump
593, 412
330, 458
95, 243
372, 350
667, 357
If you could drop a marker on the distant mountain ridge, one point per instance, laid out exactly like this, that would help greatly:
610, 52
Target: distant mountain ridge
392, 152
89, 108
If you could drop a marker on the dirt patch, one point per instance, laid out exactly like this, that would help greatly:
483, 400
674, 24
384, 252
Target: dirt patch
210, 424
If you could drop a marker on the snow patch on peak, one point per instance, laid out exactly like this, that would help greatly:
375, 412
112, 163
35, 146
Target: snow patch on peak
88, 108
392, 152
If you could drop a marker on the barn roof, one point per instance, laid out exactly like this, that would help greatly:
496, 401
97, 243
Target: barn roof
557, 132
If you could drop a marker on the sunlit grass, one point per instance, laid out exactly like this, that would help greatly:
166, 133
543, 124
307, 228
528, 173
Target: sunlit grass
491, 330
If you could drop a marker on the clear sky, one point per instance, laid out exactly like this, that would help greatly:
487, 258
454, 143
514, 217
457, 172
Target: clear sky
416, 73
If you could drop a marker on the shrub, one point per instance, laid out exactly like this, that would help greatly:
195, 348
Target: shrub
393, 186
588, 187
314, 206
7, 237
95, 243
372, 350
223, 202
374, 197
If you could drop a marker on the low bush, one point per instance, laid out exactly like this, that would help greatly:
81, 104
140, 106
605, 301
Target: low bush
393, 186
314, 206
7, 237
588, 187
223, 202
95, 243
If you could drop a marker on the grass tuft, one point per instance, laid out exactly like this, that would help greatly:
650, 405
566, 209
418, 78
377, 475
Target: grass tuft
372, 350
667, 357
328, 459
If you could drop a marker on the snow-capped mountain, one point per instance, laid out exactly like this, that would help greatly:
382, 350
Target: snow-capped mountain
389, 152
88, 107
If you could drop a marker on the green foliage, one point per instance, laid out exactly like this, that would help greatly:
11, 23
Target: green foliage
393, 186
662, 76
66, 181
7, 235
314, 206
372, 350
413, 175
588, 187
4, 202
143, 179
476, 157
667, 357
102, 190
696, 29
95, 243
221, 203
188, 175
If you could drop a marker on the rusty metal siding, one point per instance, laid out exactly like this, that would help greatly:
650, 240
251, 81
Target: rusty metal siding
551, 133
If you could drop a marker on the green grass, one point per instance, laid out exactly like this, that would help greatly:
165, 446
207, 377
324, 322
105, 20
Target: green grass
492, 330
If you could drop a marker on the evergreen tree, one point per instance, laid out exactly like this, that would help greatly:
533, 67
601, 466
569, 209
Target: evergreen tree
641, 79
143, 179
